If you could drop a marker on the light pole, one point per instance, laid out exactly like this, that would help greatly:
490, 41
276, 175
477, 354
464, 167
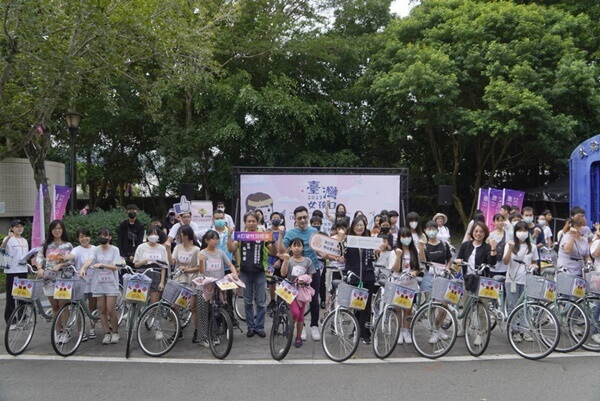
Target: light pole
73, 120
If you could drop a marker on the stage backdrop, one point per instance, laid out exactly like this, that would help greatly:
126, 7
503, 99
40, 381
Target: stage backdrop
283, 193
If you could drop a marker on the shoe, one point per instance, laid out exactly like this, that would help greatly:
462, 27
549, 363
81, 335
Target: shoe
84, 338
434, 338
400, 338
115, 338
298, 342
180, 335
527, 337
92, 334
158, 335
216, 341
106, 339
205, 343
316, 334
195, 337
13, 327
442, 336
460, 332
578, 331
407, 337
322, 304
261, 333
517, 338
478, 340
250, 333
65, 338
303, 336
271, 306
596, 338
366, 340
59, 337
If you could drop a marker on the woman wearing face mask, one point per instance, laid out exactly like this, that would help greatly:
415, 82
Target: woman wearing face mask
546, 230
573, 245
105, 284
435, 251
501, 237
405, 260
147, 254
385, 228
274, 261
414, 223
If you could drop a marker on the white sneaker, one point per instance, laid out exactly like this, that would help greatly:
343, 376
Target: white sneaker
205, 343
517, 338
478, 340
92, 333
407, 337
115, 338
442, 336
316, 335
596, 338
303, 336
106, 339
158, 335
461, 330
527, 337
13, 327
434, 338
401, 337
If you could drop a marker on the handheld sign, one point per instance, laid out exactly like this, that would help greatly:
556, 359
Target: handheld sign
247, 236
323, 243
355, 241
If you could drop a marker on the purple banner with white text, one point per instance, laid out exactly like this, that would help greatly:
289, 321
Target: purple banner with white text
37, 231
253, 236
61, 197
514, 198
495, 205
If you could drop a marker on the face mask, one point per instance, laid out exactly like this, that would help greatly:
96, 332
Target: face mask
385, 230
276, 222
220, 223
432, 233
318, 228
340, 214
405, 241
528, 219
221, 209
103, 241
522, 236
542, 222
171, 217
413, 224
514, 223
132, 215
153, 238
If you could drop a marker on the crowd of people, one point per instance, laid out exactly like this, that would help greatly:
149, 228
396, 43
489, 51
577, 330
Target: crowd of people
190, 252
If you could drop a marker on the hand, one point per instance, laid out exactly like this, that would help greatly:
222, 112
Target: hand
286, 257
235, 276
536, 232
40, 273
10, 234
413, 273
511, 245
398, 252
492, 243
458, 261
161, 287
281, 229
574, 232
97, 265
81, 273
57, 267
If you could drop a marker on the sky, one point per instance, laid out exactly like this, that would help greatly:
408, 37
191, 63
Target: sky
401, 7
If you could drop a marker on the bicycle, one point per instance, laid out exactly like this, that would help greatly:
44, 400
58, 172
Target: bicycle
340, 330
23, 321
591, 306
282, 330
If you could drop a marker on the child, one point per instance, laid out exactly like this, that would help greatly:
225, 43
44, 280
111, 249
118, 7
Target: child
301, 266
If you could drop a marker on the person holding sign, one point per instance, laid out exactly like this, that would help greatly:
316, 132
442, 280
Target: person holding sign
212, 264
251, 257
297, 269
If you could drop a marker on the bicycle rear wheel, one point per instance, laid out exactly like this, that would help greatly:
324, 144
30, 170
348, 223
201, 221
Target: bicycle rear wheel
429, 339
22, 321
592, 342
220, 334
282, 333
574, 325
158, 329
340, 335
533, 330
238, 306
67, 329
385, 336
477, 328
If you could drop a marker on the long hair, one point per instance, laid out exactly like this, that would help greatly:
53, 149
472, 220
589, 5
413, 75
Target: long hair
519, 226
50, 238
414, 254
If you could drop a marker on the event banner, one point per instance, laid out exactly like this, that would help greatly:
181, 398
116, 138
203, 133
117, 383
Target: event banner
491, 200
355, 241
38, 231
247, 236
284, 192
61, 198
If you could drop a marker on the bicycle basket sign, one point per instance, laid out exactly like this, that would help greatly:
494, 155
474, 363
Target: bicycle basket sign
286, 291
488, 288
184, 297
403, 297
137, 291
358, 299
226, 284
27, 289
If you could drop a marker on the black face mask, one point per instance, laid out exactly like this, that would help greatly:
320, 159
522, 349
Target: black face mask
385, 230
132, 215
340, 214
103, 241
318, 228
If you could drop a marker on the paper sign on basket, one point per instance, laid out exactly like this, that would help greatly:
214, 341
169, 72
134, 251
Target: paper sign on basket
247, 236
404, 297
489, 288
137, 291
356, 241
184, 297
286, 291
358, 299
579, 287
323, 243
22, 288
550, 293
226, 284
63, 290
453, 292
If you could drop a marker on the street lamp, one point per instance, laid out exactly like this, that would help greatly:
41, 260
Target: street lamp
73, 120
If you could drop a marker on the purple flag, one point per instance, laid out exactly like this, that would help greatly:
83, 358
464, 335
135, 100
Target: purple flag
496, 198
61, 197
514, 198
37, 232
484, 201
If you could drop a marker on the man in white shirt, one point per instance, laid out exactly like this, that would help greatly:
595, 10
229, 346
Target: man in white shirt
185, 219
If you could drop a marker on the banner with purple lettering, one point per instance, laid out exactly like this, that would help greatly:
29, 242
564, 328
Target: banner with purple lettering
514, 198
247, 236
37, 230
495, 205
483, 202
61, 198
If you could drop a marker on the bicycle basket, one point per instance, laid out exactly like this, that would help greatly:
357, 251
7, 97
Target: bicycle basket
5, 260
352, 297
540, 288
445, 290
593, 280
399, 295
177, 294
27, 290
70, 290
136, 287
571, 286
488, 288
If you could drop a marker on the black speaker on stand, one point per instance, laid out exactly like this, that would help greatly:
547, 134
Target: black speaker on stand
445, 195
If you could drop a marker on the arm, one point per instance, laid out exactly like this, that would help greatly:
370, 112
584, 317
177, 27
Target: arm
569, 244
201, 263
6, 239
232, 245
280, 246
284, 266
493, 256
396, 265
510, 245
85, 266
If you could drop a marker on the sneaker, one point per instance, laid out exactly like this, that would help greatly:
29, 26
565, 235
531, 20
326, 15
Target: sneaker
158, 335
366, 340
401, 338
596, 338
298, 342
478, 340
13, 327
195, 337
442, 336
303, 336
84, 338
92, 334
407, 337
106, 339
205, 343
322, 304
115, 338
434, 338
316, 335
527, 337
517, 338
461, 330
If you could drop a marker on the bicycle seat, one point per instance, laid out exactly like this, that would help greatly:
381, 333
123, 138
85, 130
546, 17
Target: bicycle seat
499, 278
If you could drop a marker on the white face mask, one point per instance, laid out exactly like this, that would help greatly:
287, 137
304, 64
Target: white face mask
542, 222
153, 238
522, 236
413, 224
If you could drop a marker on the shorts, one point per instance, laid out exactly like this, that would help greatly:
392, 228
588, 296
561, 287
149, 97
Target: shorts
155, 276
427, 283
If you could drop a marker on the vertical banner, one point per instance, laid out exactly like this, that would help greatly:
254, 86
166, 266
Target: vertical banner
61, 197
484, 202
37, 231
514, 198
495, 205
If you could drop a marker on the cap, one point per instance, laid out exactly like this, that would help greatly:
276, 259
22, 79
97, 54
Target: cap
442, 215
17, 222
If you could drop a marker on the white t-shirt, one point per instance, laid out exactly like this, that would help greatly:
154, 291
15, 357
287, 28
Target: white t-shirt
145, 251
82, 255
516, 271
197, 231
443, 234
17, 249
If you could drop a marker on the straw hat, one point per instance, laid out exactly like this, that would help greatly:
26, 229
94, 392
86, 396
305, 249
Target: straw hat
442, 215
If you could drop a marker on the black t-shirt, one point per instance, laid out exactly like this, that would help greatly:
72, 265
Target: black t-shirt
439, 253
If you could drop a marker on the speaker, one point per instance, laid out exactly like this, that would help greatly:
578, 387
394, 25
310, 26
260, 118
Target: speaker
444, 194
187, 190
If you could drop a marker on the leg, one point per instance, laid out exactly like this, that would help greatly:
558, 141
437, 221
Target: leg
260, 297
102, 308
10, 301
111, 313
322, 286
314, 303
93, 304
248, 279
203, 309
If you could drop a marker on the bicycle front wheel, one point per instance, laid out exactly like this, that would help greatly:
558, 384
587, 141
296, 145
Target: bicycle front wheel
429, 339
282, 333
340, 335
238, 307
67, 329
220, 334
477, 328
574, 325
533, 330
592, 342
385, 336
20, 328
158, 329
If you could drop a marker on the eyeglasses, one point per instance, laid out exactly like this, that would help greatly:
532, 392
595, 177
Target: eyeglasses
302, 218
